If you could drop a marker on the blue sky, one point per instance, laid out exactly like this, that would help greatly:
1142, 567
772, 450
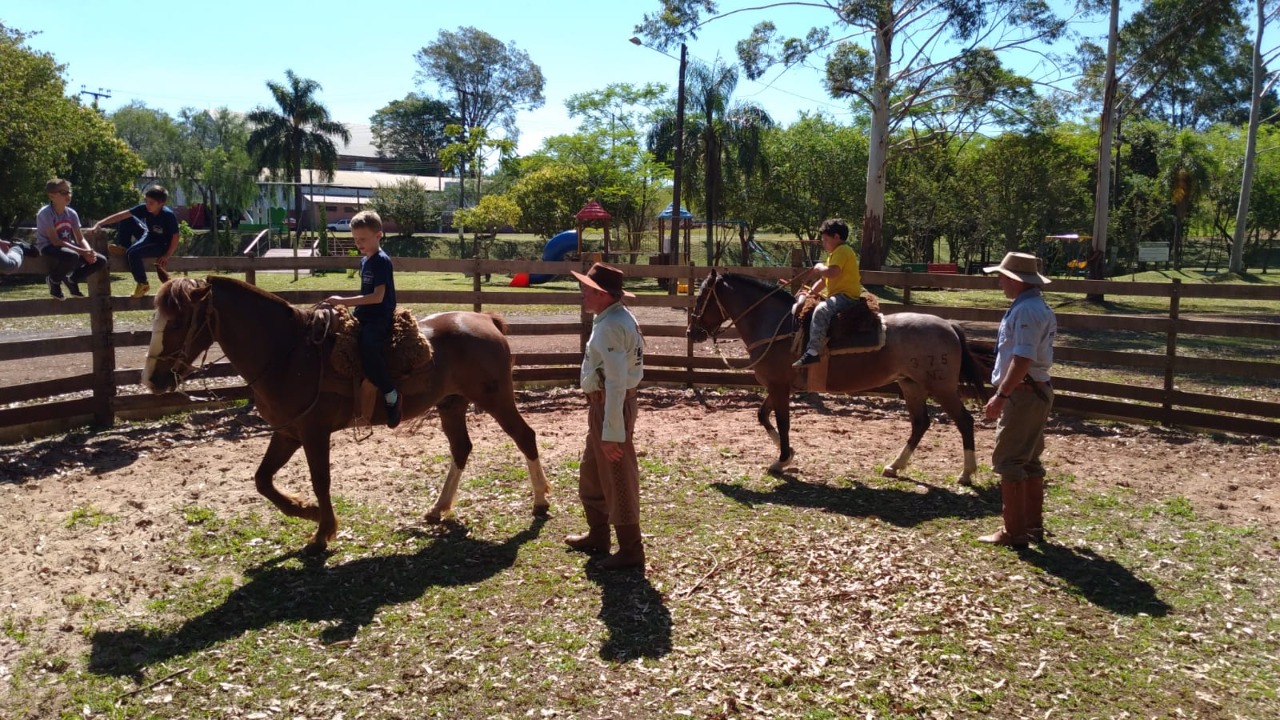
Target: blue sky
207, 55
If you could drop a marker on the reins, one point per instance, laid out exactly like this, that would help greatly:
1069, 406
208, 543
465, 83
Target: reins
731, 320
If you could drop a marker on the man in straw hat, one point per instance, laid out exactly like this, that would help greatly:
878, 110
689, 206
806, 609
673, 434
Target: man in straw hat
1024, 354
609, 475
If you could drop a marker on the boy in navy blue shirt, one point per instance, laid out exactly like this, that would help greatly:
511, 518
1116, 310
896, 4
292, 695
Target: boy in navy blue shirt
155, 226
375, 307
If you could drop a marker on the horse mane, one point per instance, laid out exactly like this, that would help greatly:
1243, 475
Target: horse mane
762, 286
175, 295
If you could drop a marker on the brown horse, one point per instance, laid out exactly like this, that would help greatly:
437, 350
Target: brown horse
925, 355
274, 347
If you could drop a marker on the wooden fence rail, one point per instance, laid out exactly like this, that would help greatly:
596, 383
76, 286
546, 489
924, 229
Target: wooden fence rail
107, 393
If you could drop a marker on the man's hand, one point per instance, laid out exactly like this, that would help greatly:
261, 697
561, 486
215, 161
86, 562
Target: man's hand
612, 450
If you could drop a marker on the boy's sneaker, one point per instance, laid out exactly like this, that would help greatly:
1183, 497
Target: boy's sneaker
140, 290
73, 287
55, 289
805, 359
117, 250
393, 411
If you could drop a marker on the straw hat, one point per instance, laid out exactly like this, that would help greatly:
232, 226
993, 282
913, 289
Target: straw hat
1020, 266
605, 278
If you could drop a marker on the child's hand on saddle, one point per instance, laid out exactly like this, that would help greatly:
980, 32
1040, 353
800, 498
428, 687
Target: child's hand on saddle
331, 301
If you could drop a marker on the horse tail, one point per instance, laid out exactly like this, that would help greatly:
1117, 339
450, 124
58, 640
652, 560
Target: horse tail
498, 322
971, 371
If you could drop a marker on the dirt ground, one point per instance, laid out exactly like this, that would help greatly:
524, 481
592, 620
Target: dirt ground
141, 475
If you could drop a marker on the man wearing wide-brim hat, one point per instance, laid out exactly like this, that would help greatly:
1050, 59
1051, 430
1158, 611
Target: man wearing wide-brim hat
1024, 396
609, 474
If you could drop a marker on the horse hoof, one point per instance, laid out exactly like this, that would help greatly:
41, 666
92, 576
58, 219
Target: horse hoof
890, 472
966, 481
542, 511
435, 518
314, 548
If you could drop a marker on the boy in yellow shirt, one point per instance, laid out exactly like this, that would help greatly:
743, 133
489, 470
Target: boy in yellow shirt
838, 278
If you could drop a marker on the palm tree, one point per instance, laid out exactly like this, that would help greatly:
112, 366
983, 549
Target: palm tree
723, 141
301, 130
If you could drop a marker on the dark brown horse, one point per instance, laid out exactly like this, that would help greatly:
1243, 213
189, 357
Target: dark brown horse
925, 355
296, 388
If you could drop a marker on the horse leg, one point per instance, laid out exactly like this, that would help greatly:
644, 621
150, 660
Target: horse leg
953, 405
512, 422
779, 398
453, 420
279, 450
316, 446
914, 395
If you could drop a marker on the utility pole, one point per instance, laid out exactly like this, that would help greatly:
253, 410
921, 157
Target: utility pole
101, 93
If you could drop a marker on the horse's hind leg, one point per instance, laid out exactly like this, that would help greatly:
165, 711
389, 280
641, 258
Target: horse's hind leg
953, 405
279, 450
914, 395
453, 420
779, 400
512, 422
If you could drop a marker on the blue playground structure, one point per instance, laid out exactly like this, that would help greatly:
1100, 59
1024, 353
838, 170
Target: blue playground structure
557, 247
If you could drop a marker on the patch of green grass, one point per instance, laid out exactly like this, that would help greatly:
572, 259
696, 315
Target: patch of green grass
88, 516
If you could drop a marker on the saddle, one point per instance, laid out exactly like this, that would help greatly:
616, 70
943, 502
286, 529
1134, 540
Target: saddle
406, 349
859, 328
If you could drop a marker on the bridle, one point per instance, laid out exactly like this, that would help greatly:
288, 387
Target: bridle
728, 319
181, 367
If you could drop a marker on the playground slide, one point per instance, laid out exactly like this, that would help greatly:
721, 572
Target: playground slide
557, 247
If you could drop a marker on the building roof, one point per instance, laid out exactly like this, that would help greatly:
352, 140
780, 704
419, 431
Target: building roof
361, 180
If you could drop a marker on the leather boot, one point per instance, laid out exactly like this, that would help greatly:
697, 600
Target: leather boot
1034, 504
596, 539
1014, 532
630, 550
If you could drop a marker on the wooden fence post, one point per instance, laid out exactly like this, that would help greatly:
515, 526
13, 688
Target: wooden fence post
102, 342
477, 306
1171, 349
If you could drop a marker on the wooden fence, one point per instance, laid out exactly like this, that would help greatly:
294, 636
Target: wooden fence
108, 393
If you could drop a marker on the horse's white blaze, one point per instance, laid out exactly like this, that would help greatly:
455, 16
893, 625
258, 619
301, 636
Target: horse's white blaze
153, 351
447, 493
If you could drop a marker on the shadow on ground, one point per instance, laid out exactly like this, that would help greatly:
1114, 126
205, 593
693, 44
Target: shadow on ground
348, 596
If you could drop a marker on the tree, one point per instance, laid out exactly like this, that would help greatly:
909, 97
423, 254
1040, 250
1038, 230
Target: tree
932, 67
155, 136
490, 215
619, 172
1156, 41
407, 204
46, 134
298, 131
223, 174
413, 129
800, 198
1262, 84
550, 196
723, 141
102, 167
488, 82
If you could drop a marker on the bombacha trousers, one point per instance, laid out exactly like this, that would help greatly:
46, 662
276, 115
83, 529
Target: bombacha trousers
610, 488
